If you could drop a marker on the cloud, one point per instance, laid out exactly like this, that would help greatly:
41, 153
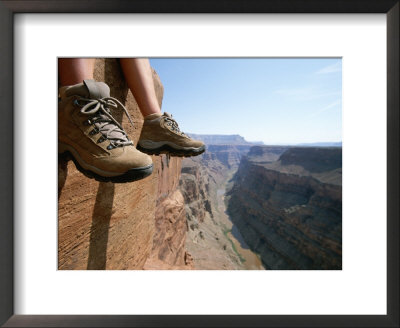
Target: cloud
331, 105
333, 68
306, 93
295, 92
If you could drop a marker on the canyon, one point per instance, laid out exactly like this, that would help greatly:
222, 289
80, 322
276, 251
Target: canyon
287, 204
212, 239
263, 207
239, 206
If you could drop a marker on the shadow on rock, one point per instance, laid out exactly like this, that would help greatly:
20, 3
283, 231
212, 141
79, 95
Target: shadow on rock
100, 225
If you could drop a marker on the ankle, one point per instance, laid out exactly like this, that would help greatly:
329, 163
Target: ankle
152, 116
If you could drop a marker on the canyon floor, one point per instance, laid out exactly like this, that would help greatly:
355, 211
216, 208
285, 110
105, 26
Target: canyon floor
218, 244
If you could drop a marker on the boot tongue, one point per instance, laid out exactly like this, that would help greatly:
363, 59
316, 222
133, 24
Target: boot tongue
88, 89
99, 90
96, 90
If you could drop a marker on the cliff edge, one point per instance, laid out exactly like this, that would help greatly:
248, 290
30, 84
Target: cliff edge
137, 225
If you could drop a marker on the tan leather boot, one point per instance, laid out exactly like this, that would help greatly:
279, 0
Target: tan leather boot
99, 146
161, 134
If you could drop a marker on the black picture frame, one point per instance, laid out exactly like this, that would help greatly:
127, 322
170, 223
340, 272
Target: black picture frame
7, 11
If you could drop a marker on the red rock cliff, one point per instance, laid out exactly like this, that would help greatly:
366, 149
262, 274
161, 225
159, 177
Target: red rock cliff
122, 226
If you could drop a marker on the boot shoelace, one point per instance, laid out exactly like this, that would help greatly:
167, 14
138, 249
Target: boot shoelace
100, 116
173, 124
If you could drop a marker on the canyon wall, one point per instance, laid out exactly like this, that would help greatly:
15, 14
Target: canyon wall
287, 204
201, 176
195, 187
137, 225
169, 250
228, 155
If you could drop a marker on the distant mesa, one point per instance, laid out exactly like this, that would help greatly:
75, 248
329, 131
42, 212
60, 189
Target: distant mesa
220, 139
236, 139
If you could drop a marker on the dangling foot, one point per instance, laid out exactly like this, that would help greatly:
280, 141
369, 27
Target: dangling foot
99, 146
161, 134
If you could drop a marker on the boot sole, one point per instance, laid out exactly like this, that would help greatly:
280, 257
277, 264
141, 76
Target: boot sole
170, 150
129, 176
166, 149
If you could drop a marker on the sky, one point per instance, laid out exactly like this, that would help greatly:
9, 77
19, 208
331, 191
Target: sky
276, 101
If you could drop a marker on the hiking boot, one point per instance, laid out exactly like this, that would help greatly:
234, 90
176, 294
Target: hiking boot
97, 143
161, 134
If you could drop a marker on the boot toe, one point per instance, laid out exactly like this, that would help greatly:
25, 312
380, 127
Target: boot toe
198, 144
136, 159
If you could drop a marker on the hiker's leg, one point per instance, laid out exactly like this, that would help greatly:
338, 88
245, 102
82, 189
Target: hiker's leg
139, 77
75, 70
160, 133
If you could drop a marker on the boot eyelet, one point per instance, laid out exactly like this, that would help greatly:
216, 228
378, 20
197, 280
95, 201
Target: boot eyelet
93, 132
110, 147
101, 139
76, 103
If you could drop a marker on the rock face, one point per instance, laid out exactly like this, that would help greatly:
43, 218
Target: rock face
195, 186
200, 176
266, 154
122, 226
289, 210
169, 251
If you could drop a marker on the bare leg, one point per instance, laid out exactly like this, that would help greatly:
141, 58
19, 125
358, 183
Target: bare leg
138, 75
75, 70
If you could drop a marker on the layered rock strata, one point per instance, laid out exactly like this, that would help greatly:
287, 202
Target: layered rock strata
122, 226
169, 251
289, 210
201, 176
195, 187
